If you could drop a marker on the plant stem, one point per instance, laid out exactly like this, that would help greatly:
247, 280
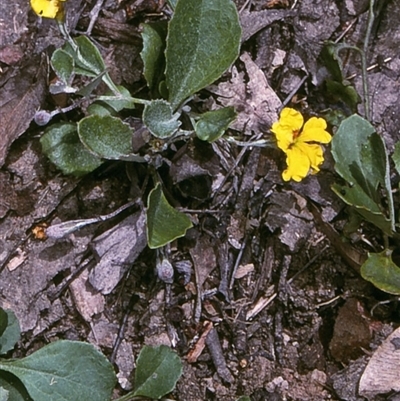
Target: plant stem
129, 397
64, 32
106, 77
121, 96
371, 17
386, 241
364, 74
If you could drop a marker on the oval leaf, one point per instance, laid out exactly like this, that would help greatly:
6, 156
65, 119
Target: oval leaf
157, 371
88, 60
153, 57
213, 124
101, 109
11, 334
382, 272
203, 41
65, 371
361, 159
159, 119
106, 136
62, 146
63, 65
347, 146
164, 223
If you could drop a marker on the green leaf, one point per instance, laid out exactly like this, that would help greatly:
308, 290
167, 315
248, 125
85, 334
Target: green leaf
106, 136
157, 371
332, 61
164, 223
118, 103
65, 371
111, 104
101, 109
154, 36
159, 119
87, 90
382, 272
11, 334
343, 91
62, 146
213, 124
63, 65
364, 205
16, 390
3, 321
203, 41
396, 157
244, 398
88, 60
339, 87
361, 160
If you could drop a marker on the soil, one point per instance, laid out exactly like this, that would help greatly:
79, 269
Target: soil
268, 269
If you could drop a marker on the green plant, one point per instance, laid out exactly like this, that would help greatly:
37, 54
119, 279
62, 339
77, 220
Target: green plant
157, 371
197, 46
73, 370
363, 162
62, 370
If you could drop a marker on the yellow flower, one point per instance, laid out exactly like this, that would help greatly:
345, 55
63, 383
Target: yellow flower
299, 143
49, 8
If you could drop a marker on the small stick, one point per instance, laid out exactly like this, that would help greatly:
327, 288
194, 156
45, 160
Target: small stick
58, 231
82, 266
93, 15
121, 330
217, 356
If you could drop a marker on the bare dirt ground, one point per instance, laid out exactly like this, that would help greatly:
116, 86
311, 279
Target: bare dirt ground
264, 270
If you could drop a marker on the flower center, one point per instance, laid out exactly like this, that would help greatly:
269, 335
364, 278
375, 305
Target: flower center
295, 134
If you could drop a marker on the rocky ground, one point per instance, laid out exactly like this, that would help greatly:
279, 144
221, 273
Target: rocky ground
267, 274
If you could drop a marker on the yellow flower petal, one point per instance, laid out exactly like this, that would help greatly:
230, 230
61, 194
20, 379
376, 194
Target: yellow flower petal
47, 8
289, 123
284, 136
314, 130
298, 165
314, 153
291, 118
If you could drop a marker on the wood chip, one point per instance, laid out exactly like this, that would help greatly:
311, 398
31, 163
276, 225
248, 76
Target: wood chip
382, 374
195, 352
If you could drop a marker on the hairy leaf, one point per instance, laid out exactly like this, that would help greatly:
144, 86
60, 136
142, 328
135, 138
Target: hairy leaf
382, 272
106, 136
213, 124
164, 223
65, 371
157, 371
203, 41
361, 160
160, 120
62, 146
